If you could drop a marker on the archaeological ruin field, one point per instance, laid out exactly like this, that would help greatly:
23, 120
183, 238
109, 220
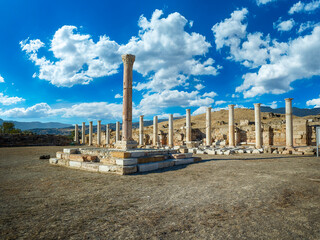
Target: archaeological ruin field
254, 196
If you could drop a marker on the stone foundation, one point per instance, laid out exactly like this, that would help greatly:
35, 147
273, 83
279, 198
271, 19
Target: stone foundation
121, 162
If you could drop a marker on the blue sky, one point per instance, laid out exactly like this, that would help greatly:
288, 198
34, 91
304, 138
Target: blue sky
61, 60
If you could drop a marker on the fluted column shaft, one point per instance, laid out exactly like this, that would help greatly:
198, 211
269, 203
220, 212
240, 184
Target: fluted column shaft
289, 123
257, 117
76, 133
208, 126
141, 136
90, 133
99, 133
83, 136
128, 61
117, 131
188, 125
231, 126
170, 140
107, 134
155, 130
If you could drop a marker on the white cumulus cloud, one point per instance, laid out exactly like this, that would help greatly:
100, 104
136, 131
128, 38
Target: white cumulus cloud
220, 102
304, 7
284, 26
314, 102
1, 79
165, 52
118, 95
6, 100
299, 59
249, 49
263, 2
79, 58
199, 86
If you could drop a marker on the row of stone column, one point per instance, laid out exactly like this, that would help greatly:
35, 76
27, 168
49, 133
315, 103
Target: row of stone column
257, 113
83, 133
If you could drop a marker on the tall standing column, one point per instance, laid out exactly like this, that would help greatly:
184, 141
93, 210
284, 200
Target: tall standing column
141, 136
208, 127
188, 125
83, 131
99, 133
107, 134
231, 126
170, 130
90, 133
117, 131
76, 133
155, 131
289, 123
128, 61
257, 117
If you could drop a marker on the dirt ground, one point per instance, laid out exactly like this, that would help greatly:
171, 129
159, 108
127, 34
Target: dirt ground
224, 197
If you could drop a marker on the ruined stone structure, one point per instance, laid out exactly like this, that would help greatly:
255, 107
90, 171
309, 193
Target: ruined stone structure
76, 133
141, 136
99, 133
83, 133
231, 126
208, 127
127, 140
90, 133
257, 116
155, 131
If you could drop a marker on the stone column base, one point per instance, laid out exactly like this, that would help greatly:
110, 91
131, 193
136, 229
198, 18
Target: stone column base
126, 144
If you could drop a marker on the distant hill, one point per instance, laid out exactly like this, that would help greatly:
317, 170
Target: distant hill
31, 125
300, 112
70, 128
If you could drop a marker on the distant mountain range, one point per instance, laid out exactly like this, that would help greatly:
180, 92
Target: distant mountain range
300, 112
31, 125
65, 129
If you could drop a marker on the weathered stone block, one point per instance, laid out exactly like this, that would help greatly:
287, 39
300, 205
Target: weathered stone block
150, 159
256, 151
121, 154
108, 168
53, 161
127, 161
211, 152
59, 155
165, 164
70, 150
146, 167
74, 164
297, 153
137, 154
92, 167
128, 170
63, 162
76, 157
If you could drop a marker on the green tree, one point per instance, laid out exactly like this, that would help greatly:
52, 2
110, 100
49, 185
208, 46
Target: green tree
8, 127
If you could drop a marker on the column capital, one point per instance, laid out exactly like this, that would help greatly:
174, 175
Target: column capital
141, 116
90, 122
99, 121
288, 99
83, 122
128, 58
209, 108
257, 104
188, 110
231, 105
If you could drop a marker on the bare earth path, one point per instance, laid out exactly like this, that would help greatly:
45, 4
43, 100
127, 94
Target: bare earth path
261, 197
